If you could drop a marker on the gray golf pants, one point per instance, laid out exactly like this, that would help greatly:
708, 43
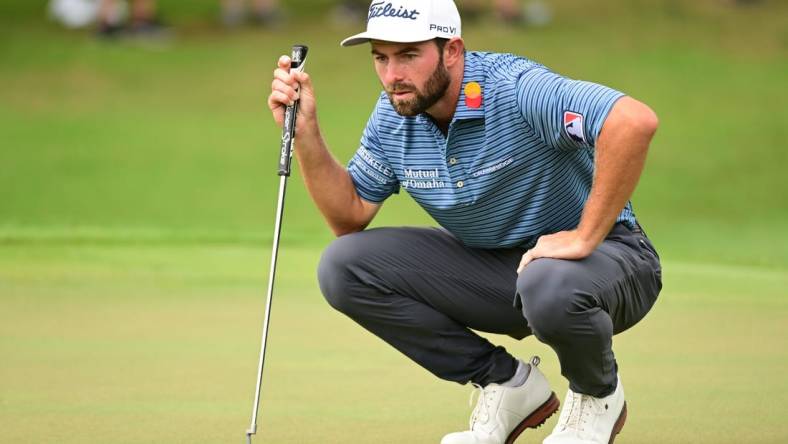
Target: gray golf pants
422, 291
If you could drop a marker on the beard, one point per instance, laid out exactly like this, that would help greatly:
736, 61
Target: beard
421, 101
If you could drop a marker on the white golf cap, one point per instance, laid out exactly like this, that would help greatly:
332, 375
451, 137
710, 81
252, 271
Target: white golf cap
407, 21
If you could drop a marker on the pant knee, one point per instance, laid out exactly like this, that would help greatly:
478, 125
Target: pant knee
336, 272
551, 299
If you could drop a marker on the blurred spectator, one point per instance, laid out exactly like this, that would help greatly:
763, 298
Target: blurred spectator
530, 12
350, 11
515, 12
74, 13
508, 11
142, 19
262, 12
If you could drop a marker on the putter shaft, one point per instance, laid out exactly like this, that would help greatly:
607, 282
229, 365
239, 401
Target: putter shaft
286, 152
269, 299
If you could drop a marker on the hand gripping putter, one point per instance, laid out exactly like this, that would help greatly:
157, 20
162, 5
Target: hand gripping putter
285, 156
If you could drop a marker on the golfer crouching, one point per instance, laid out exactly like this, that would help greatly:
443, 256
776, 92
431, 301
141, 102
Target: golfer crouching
529, 175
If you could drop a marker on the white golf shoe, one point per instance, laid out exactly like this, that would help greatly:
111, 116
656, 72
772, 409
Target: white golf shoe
588, 420
503, 413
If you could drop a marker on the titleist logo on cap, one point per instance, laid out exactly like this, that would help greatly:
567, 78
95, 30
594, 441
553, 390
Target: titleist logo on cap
408, 21
379, 9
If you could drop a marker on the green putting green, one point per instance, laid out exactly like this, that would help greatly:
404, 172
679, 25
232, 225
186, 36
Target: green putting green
158, 343
137, 197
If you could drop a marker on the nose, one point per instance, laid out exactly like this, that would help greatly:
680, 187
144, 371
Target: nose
393, 73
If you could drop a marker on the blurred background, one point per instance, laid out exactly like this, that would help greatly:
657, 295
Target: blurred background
137, 195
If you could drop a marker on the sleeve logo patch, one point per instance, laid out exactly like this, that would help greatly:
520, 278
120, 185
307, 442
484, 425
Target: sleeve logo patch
573, 124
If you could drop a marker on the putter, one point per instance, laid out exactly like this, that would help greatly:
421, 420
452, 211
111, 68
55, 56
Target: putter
298, 59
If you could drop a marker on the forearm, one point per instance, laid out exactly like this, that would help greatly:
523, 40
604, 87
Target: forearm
620, 156
330, 186
326, 180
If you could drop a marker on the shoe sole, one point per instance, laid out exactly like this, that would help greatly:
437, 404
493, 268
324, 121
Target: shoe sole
622, 418
537, 418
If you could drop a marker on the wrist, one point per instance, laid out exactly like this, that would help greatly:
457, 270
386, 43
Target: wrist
589, 238
308, 127
309, 143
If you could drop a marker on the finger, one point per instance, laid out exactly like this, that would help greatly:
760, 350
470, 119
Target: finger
524, 261
304, 79
278, 85
304, 82
284, 62
530, 256
285, 77
277, 99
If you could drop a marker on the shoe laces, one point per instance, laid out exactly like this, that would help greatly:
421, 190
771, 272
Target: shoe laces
484, 402
579, 409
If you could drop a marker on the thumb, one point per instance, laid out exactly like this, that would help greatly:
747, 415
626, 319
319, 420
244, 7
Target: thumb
304, 79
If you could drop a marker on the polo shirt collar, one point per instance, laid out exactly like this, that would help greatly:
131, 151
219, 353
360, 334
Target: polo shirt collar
473, 72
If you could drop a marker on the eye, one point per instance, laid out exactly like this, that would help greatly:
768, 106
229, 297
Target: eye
380, 58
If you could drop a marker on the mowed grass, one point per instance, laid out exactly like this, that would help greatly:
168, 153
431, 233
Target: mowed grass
175, 140
158, 344
137, 195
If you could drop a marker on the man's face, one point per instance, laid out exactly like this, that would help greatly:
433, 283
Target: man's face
413, 74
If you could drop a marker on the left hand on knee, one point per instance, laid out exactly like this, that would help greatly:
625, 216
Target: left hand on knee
561, 245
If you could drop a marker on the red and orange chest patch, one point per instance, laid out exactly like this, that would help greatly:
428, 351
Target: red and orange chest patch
473, 95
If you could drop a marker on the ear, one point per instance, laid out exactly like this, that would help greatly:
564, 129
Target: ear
453, 51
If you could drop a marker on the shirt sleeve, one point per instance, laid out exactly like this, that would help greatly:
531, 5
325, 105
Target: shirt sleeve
567, 114
369, 169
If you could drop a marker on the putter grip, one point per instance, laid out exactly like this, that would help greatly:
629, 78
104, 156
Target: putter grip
297, 60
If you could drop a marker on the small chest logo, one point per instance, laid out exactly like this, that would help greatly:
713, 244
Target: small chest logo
473, 95
573, 124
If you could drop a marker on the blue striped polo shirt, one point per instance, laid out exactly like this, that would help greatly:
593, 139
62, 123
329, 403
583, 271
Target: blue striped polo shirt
516, 166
